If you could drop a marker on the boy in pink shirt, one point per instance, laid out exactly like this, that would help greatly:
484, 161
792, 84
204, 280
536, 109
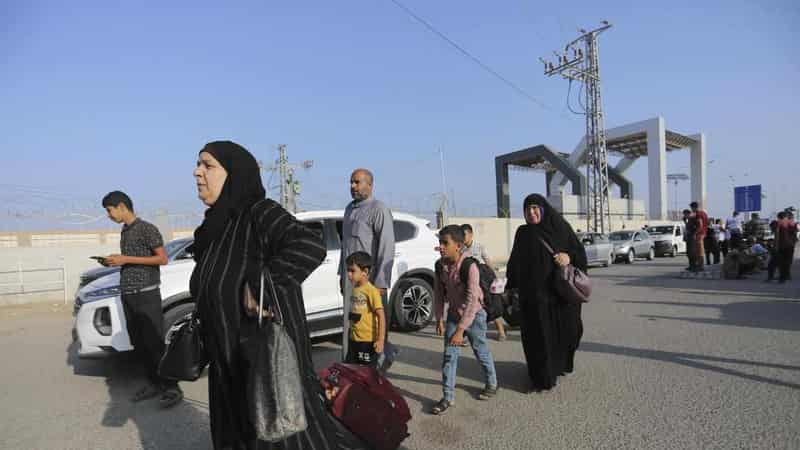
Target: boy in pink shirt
465, 316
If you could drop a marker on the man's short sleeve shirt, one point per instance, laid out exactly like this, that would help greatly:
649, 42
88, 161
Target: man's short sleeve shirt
139, 239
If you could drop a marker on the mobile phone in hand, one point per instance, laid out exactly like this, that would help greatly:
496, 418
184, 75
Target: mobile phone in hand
100, 259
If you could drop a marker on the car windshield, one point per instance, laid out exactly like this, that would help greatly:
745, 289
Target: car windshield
621, 236
173, 247
664, 229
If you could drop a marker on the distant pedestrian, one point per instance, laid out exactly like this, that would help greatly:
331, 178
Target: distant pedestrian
368, 227
711, 243
785, 242
479, 252
142, 249
690, 225
551, 327
722, 237
774, 257
701, 219
754, 228
733, 227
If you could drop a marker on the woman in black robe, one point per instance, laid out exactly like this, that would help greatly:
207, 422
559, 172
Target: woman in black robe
243, 232
551, 327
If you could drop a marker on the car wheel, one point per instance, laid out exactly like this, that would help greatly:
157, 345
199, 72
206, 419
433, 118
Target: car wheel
674, 251
630, 257
173, 316
412, 304
651, 255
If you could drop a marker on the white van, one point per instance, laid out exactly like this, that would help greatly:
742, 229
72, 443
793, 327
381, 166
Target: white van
668, 238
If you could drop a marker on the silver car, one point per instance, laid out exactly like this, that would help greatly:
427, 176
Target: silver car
629, 245
599, 249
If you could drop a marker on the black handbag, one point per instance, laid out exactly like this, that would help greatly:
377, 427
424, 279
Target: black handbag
274, 388
184, 358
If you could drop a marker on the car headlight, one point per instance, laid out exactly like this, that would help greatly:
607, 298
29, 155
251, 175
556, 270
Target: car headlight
112, 291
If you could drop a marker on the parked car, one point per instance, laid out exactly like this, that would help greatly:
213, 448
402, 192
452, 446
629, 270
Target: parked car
599, 249
668, 239
172, 248
100, 327
629, 245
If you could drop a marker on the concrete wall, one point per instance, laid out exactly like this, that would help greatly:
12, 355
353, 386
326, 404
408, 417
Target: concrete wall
34, 252
75, 258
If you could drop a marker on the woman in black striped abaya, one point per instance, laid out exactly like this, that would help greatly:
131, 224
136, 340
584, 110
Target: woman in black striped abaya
242, 232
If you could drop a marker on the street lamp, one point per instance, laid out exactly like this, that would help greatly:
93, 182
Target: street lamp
675, 178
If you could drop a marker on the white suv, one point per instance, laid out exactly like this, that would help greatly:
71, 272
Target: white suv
100, 328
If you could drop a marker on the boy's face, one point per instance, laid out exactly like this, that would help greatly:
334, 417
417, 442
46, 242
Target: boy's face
356, 275
448, 248
467, 237
115, 213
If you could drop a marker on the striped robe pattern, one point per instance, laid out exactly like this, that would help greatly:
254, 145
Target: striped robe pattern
265, 235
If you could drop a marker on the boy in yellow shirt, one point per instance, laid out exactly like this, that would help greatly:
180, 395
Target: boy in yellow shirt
367, 320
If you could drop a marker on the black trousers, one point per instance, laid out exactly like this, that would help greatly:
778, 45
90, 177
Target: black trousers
785, 258
690, 252
145, 320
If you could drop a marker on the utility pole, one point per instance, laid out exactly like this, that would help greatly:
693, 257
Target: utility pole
441, 215
289, 186
583, 65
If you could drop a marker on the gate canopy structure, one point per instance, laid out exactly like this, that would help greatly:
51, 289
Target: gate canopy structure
652, 139
538, 158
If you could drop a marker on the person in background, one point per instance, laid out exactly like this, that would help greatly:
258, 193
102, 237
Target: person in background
701, 219
772, 265
723, 237
785, 241
690, 226
479, 252
142, 249
711, 243
733, 226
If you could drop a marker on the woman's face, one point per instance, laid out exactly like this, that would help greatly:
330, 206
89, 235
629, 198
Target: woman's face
210, 177
533, 214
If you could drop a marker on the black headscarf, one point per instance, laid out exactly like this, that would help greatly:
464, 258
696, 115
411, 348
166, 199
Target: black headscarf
241, 190
553, 228
530, 263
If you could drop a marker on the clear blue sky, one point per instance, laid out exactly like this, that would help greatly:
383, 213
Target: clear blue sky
96, 96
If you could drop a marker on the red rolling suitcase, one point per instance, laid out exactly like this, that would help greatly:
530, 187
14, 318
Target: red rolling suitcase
367, 404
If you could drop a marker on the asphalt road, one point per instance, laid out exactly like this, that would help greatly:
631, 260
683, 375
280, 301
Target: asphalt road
665, 363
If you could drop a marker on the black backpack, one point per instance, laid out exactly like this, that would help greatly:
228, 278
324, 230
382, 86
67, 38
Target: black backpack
492, 303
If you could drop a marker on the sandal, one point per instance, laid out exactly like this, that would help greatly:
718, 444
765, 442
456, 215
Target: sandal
487, 393
171, 397
441, 407
146, 393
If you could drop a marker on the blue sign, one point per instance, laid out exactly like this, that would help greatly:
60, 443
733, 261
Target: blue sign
747, 198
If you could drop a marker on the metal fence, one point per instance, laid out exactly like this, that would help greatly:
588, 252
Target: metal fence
32, 281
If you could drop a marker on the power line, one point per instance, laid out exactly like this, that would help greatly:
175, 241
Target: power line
472, 57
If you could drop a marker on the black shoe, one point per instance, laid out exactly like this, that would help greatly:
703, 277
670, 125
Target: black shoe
171, 397
146, 393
